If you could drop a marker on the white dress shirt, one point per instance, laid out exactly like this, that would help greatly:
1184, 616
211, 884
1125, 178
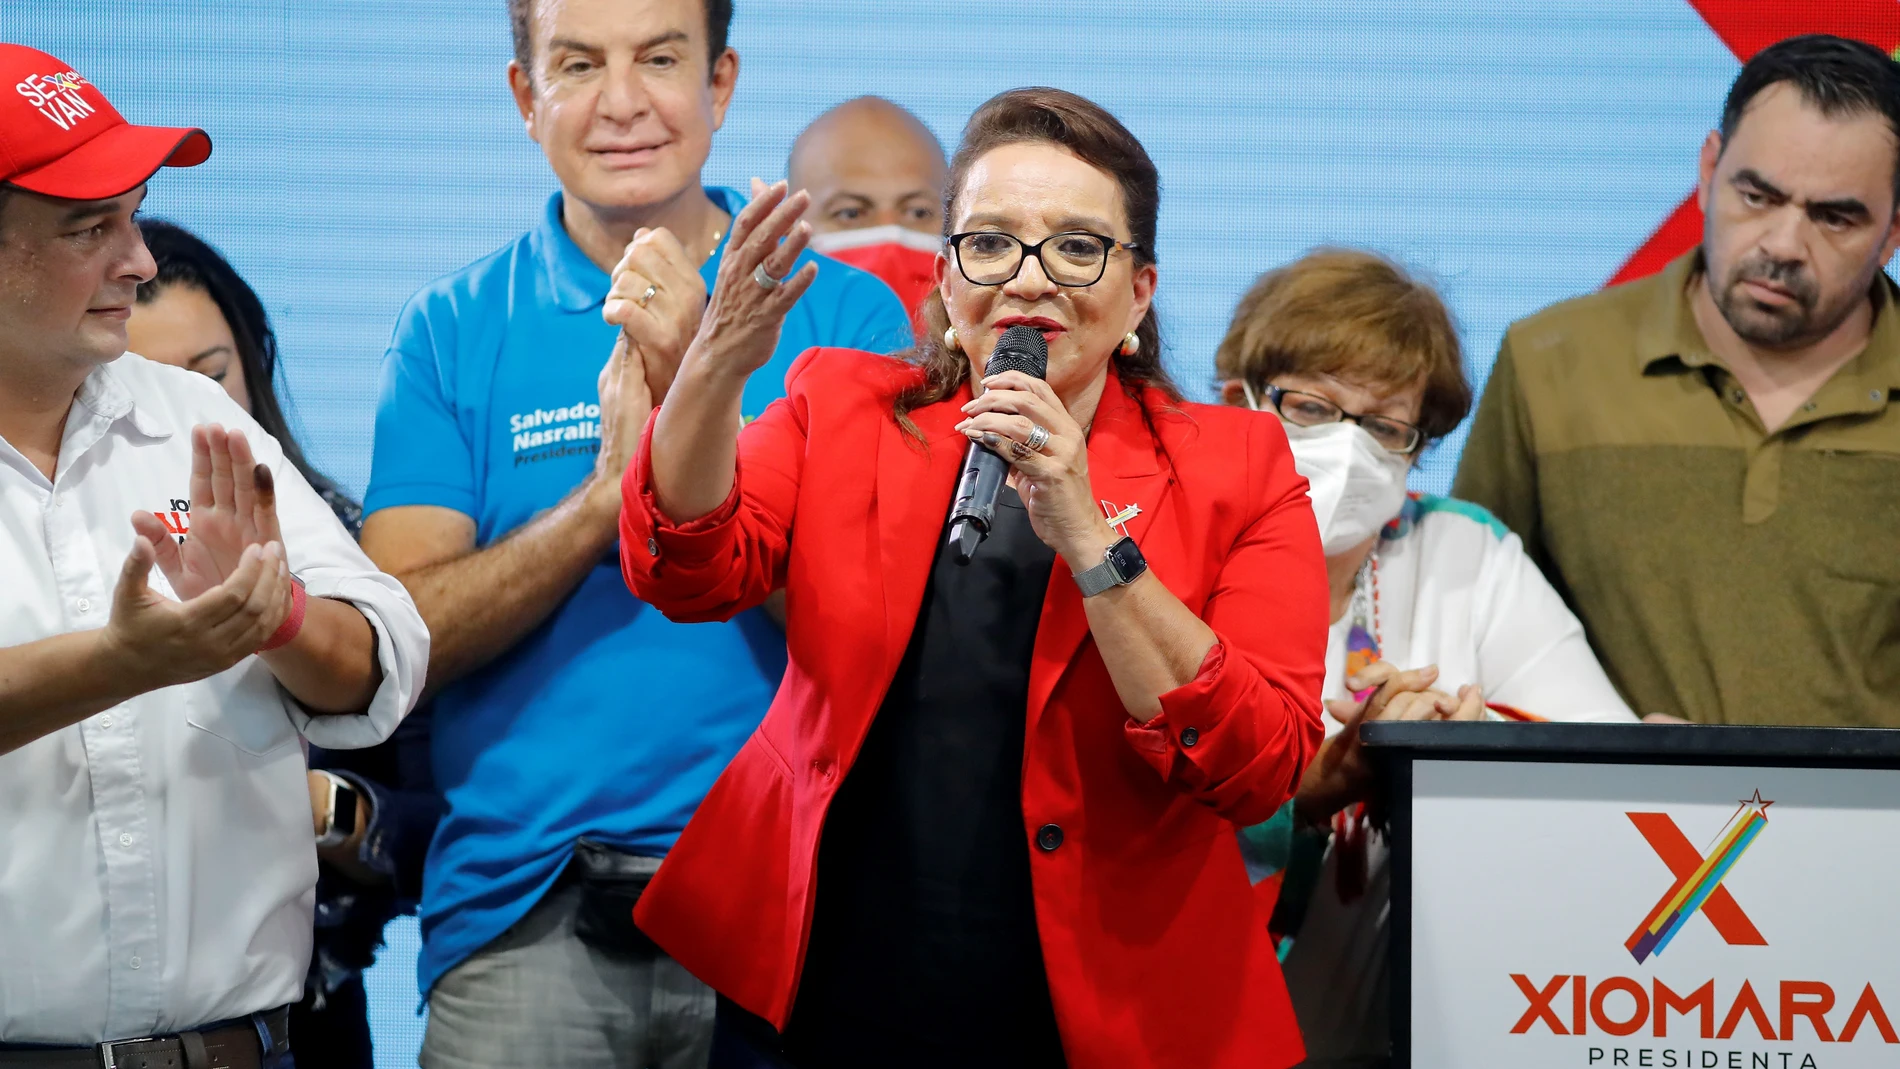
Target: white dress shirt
1456, 590
157, 868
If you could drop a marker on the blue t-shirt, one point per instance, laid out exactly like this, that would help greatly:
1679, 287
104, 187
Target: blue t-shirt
607, 721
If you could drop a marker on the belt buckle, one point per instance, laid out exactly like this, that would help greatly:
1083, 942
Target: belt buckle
108, 1058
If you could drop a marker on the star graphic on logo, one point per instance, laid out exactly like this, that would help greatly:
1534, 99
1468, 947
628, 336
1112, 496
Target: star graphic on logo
1757, 804
1118, 518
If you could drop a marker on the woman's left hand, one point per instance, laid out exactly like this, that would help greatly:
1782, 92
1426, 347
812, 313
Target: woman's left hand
1053, 480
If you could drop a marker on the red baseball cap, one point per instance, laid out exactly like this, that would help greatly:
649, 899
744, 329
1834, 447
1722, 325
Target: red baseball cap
59, 136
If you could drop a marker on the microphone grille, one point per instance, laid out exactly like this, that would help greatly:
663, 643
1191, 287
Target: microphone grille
1021, 348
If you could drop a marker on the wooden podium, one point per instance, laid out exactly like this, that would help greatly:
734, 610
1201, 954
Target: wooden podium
1676, 897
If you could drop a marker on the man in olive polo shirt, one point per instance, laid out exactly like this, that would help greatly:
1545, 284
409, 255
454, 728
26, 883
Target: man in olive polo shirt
1707, 462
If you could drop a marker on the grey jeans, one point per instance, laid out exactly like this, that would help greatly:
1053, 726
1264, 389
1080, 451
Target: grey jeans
538, 996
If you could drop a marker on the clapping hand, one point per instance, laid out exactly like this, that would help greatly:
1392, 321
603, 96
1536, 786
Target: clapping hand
233, 507
160, 642
656, 300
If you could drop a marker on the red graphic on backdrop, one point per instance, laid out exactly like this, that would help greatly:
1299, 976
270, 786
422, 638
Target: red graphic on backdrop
1747, 27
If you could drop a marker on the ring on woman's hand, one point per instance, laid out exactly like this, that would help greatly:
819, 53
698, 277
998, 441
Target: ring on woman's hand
765, 281
1038, 437
647, 296
1018, 449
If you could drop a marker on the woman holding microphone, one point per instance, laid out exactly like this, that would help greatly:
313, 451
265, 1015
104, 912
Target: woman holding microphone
989, 818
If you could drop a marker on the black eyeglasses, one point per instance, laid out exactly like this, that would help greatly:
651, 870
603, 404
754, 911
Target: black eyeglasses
1076, 258
1312, 410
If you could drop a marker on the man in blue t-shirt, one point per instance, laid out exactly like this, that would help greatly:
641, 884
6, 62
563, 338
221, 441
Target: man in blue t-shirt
576, 729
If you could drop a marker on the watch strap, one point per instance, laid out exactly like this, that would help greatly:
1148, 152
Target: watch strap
1098, 579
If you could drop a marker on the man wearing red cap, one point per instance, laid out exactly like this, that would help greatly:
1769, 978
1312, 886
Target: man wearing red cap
156, 881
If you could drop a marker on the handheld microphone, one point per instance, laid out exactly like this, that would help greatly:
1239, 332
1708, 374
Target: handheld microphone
1021, 348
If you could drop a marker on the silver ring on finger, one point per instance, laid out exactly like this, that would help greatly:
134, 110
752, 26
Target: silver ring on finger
765, 281
1038, 437
647, 296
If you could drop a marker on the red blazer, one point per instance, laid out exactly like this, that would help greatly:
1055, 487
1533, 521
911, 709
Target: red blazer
1156, 951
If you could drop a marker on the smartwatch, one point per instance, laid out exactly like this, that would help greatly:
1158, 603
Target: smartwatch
1121, 565
342, 821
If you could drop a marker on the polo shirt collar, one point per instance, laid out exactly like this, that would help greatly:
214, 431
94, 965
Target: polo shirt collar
105, 394
576, 282
1668, 331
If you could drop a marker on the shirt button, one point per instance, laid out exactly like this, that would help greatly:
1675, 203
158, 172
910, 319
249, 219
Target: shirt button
1873, 395
653, 547
135, 962
124, 839
1049, 837
1189, 737
1738, 397
83, 604
105, 720
1809, 407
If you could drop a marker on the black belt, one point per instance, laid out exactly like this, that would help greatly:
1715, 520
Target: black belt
235, 1044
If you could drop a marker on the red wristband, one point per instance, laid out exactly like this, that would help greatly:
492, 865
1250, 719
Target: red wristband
287, 631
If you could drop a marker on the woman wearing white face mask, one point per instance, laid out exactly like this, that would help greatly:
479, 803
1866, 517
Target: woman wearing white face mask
1437, 613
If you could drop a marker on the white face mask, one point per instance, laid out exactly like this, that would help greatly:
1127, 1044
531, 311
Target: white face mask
889, 234
1356, 484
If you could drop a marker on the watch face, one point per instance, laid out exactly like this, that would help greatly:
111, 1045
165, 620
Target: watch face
1127, 558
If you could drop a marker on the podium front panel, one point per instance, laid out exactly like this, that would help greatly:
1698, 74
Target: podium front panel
1667, 916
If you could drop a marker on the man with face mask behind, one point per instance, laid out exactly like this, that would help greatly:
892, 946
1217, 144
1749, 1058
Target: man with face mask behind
1707, 462
875, 173
1437, 612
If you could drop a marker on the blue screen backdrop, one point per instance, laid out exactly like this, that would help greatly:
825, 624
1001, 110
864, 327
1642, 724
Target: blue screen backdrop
1516, 153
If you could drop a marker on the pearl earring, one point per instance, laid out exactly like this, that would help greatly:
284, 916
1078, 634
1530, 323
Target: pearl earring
950, 338
1130, 344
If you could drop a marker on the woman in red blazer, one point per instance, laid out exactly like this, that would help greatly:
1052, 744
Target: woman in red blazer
988, 820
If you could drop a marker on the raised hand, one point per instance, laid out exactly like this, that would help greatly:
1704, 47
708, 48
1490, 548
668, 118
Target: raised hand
233, 507
164, 642
756, 285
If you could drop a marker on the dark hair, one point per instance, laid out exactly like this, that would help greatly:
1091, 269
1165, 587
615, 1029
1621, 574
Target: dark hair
1087, 129
184, 259
521, 19
1353, 313
1837, 76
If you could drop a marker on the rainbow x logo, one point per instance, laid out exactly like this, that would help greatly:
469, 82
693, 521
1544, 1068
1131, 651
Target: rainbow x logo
1698, 886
